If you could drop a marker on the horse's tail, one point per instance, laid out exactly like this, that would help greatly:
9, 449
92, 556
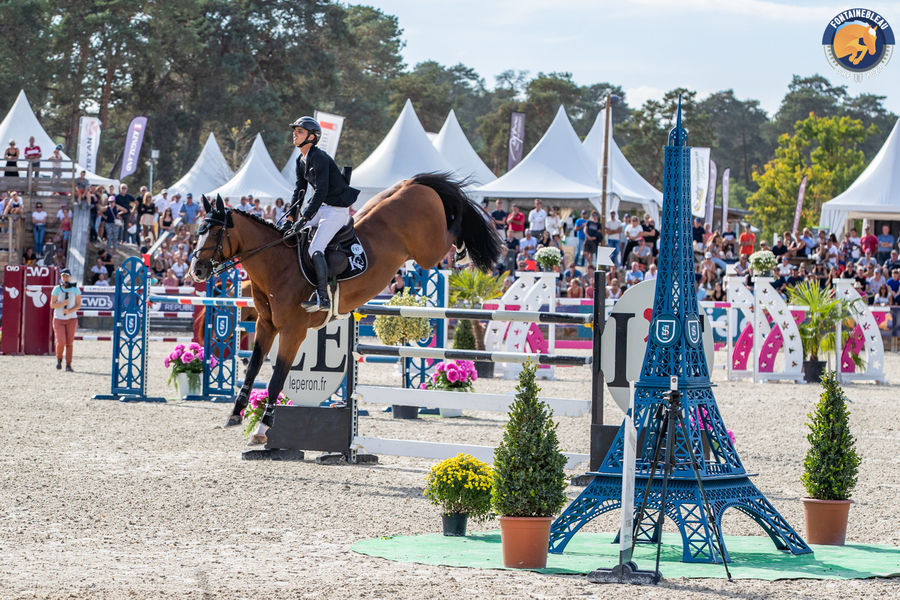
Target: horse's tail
467, 222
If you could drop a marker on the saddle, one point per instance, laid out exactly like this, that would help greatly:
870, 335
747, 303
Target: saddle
345, 254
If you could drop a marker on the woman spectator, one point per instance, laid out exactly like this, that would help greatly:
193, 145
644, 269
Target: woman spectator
278, 210
180, 268
553, 224
707, 271
546, 240
613, 290
65, 228
170, 280
718, 294
29, 257
575, 290
12, 156
883, 296
146, 213
167, 221
398, 284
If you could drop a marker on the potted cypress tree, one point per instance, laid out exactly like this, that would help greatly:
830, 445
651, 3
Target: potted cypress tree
529, 480
830, 467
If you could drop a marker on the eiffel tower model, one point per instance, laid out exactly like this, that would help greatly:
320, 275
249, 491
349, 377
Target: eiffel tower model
675, 349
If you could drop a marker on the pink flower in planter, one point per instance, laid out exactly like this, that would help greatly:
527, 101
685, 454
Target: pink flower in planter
213, 362
194, 347
187, 357
452, 374
423, 386
440, 367
166, 362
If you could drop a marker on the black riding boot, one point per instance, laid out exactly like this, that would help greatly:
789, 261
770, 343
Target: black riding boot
319, 299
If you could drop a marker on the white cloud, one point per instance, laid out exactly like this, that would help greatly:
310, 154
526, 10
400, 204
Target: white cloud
636, 96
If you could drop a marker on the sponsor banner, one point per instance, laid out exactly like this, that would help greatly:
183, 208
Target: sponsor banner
516, 139
133, 141
320, 365
699, 181
726, 182
88, 143
332, 125
711, 195
799, 207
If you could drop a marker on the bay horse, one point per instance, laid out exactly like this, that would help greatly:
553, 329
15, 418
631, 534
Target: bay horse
418, 218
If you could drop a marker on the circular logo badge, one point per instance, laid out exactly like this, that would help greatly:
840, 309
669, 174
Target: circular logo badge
858, 43
356, 249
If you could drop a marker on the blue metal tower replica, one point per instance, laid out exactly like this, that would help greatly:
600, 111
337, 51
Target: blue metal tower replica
674, 349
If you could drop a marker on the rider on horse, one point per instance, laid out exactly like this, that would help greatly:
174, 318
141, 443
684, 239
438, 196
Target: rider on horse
329, 207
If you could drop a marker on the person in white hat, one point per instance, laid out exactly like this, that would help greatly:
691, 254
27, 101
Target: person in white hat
65, 302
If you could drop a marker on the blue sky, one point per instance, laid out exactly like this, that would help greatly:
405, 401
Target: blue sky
646, 46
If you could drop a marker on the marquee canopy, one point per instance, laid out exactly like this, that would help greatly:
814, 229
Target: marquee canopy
453, 145
210, 170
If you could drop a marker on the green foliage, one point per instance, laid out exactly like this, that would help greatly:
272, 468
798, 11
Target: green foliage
401, 330
831, 464
461, 484
740, 139
823, 312
470, 288
463, 339
823, 148
529, 480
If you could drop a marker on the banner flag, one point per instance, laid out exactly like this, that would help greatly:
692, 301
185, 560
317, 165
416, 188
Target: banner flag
726, 182
797, 210
699, 181
332, 125
133, 141
516, 139
88, 142
711, 193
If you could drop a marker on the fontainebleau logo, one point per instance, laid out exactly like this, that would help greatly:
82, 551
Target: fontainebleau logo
858, 43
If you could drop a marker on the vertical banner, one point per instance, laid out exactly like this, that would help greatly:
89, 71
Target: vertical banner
726, 182
797, 210
133, 141
88, 142
516, 139
699, 180
331, 131
711, 192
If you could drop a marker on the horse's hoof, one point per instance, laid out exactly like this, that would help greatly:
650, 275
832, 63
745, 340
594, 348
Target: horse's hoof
233, 421
257, 439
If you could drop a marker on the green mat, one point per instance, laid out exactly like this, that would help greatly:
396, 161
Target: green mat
752, 557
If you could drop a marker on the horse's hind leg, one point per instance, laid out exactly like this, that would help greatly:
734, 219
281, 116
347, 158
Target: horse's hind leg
265, 334
287, 351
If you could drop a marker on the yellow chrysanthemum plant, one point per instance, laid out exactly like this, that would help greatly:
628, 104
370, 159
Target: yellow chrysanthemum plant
461, 484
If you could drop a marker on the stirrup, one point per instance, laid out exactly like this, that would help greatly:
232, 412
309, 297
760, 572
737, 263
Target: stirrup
316, 303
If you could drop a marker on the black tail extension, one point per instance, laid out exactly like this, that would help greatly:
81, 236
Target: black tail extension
466, 221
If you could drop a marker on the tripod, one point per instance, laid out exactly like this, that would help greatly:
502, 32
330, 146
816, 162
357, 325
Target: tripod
669, 417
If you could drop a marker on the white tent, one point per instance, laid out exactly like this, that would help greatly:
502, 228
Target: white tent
289, 172
624, 183
21, 123
405, 151
257, 176
557, 167
210, 170
874, 195
453, 145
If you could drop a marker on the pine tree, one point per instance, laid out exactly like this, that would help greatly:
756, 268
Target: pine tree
529, 476
832, 464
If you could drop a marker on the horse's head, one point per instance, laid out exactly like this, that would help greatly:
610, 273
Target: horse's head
870, 40
210, 252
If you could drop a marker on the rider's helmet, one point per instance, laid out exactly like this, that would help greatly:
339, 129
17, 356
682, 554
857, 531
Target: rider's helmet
312, 126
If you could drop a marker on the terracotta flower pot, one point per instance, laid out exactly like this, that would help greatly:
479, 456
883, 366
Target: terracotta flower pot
525, 541
826, 521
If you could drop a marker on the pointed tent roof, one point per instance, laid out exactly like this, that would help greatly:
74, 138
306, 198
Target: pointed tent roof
623, 180
21, 123
258, 176
210, 170
557, 167
453, 145
874, 195
289, 171
404, 152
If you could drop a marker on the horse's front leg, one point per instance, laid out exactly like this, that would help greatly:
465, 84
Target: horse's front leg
265, 334
288, 345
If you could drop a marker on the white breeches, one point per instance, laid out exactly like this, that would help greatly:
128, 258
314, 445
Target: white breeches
329, 220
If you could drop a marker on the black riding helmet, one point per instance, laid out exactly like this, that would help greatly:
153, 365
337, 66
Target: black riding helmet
312, 126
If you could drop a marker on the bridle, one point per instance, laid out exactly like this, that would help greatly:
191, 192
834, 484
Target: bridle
217, 259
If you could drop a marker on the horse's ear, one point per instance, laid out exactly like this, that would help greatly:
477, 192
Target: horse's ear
206, 205
220, 204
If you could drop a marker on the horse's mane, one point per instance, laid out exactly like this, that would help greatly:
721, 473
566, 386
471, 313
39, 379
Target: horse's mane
256, 218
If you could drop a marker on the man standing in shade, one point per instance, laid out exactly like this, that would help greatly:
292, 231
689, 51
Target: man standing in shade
537, 220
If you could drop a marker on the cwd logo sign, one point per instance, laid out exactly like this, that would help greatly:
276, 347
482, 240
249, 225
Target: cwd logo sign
37, 295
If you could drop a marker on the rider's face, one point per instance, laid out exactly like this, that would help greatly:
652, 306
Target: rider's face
299, 135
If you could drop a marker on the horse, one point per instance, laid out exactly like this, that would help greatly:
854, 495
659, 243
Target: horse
418, 218
854, 40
